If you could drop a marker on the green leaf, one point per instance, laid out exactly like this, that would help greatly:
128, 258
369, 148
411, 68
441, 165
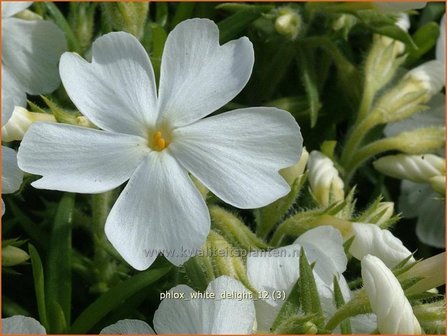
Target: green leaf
39, 285
161, 13
290, 307
310, 298
385, 25
114, 297
309, 79
58, 285
425, 38
184, 11
235, 24
59, 19
345, 326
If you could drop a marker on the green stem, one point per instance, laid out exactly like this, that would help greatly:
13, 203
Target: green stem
358, 133
366, 153
358, 305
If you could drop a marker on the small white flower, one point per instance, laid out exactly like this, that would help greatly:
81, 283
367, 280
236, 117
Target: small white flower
12, 176
223, 314
156, 140
326, 184
30, 55
371, 239
22, 325
416, 168
429, 75
388, 301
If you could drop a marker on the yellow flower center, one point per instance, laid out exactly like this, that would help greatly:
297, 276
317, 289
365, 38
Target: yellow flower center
159, 139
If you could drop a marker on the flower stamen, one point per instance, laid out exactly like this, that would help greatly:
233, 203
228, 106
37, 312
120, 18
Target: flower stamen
158, 142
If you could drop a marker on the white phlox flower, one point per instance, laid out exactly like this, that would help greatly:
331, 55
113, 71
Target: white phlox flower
155, 140
325, 182
388, 301
226, 314
22, 325
30, 56
371, 239
279, 270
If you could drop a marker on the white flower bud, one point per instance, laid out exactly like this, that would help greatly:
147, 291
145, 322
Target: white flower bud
382, 212
416, 168
438, 184
429, 76
371, 239
288, 23
432, 272
12, 255
419, 141
20, 121
290, 174
326, 184
387, 298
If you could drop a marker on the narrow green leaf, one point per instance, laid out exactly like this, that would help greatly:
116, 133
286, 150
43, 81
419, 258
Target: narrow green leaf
425, 38
39, 285
58, 285
290, 307
161, 13
345, 326
233, 25
184, 11
114, 297
310, 299
308, 77
59, 19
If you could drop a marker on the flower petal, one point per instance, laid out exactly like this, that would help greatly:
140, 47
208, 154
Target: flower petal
12, 95
430, 228
117, 90
22, 325
198, 76
237, 154
207, 316
78, 159
31, 51
12, 176
160, 210
10, 8
128, 327
324, 246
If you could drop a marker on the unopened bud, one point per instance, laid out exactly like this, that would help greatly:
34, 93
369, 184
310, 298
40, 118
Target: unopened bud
419, 141
381, 213
12, 256
438, 184
416, 168
371, 239
388, 301
127, 16
326, 184
21, 119
429, 76
288, 23
290, 174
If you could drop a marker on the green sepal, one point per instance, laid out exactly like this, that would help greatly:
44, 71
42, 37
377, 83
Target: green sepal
345, 326
289, 308
310, 298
